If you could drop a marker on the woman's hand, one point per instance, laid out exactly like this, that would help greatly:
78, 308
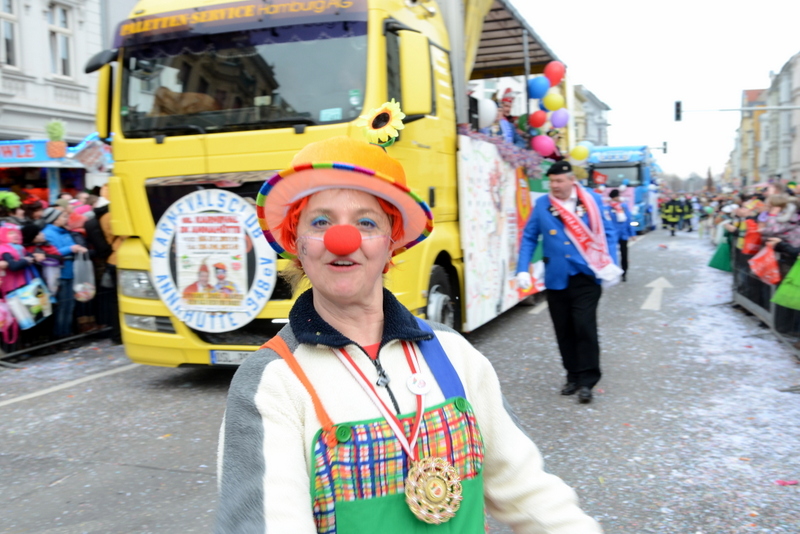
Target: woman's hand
77, 249
730, 227
772, 241
38, 257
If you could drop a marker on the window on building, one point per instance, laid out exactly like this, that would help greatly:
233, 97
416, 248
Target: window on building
8, 33
59, 20
489, 88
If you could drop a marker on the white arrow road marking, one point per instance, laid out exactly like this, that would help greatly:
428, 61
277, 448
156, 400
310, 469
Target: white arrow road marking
66, 385
539, 308
653, 301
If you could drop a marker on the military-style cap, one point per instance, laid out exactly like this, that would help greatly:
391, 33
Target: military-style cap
559, 167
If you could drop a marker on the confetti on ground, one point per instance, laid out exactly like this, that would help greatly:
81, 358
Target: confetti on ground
786, 482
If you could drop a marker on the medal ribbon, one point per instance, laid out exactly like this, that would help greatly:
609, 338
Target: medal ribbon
391, 418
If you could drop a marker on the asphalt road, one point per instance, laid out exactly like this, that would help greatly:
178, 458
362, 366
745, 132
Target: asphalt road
690, 429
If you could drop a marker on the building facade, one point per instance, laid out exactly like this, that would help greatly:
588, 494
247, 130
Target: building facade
751, 150
591, 117
768, 140
45, 46
783, 92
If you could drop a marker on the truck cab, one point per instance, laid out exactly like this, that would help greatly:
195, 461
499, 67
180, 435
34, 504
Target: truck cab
632, 171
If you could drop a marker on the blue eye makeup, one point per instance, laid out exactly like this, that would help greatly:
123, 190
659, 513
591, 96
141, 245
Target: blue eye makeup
319, 221
368, 223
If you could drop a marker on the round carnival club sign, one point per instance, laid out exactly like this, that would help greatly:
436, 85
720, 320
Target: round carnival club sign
210, 263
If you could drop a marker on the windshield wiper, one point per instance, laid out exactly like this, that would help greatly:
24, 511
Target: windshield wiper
159, 132
296, 119
195, 127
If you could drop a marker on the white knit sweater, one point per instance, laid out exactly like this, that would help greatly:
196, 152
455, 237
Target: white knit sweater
271, 413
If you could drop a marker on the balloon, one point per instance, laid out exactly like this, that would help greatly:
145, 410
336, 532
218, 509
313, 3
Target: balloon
522, 122
538, 87
588, 144
542, 106
553, 101
559, 118
537, 119
580, 152
535, 131
487, 112
543, 144
554, 71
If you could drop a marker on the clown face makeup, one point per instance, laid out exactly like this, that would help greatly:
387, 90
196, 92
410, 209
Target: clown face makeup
344, 245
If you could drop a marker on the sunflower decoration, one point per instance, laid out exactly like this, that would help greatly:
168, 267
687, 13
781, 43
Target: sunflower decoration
381, 124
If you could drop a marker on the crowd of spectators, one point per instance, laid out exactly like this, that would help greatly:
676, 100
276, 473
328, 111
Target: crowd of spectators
757, 235
766, 217
39, 240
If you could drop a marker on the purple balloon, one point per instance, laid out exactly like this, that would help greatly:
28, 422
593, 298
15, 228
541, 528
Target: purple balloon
559, 118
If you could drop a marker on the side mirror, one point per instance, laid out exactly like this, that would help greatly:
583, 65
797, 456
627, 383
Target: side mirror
100, 59
103, 109
416, 78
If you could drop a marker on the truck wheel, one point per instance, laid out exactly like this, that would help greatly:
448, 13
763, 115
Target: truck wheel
441, 299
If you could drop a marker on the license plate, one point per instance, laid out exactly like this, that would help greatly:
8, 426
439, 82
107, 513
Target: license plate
229, 357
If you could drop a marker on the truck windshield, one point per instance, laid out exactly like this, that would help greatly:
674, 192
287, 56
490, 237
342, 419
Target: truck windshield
267, 78
613, 176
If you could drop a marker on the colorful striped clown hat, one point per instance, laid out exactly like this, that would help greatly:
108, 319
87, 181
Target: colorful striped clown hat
345, 163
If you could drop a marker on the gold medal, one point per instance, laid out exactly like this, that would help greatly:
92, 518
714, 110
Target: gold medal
433, 490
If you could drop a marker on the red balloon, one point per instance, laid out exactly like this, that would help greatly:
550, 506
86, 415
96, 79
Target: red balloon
554, 71
342, 239
537, 119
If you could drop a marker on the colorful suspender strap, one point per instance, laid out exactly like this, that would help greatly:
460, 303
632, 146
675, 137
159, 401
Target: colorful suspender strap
279, 345
440, 365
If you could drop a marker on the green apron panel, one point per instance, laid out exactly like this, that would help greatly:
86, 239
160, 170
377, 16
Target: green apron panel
391, 515
361, 480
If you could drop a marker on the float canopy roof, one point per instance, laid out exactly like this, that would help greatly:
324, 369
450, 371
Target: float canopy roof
500, 52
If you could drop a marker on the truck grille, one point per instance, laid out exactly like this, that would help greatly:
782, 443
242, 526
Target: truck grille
163, 192
255, 333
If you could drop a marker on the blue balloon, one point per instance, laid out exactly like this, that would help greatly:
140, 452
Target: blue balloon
541, 106
538, 87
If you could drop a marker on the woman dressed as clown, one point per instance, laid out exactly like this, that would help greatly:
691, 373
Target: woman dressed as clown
358, 417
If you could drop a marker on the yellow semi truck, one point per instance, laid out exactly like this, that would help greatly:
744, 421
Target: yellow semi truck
204, 100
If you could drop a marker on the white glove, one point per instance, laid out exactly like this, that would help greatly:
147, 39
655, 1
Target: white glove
524, 281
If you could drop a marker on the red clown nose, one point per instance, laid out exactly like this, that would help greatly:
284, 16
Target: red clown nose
342, 239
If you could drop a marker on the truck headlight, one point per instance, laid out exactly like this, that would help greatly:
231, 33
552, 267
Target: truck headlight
136, 284
141, 322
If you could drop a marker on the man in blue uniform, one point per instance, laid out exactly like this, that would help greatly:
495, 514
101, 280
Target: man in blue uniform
621, 218
577, 230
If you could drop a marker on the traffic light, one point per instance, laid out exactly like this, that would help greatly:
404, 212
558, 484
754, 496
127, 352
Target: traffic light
665, 147
677, 110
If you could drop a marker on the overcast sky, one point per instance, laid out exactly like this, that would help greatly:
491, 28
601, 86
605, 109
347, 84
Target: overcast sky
639, 57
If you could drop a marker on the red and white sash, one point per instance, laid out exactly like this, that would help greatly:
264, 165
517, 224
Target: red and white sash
590, 241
